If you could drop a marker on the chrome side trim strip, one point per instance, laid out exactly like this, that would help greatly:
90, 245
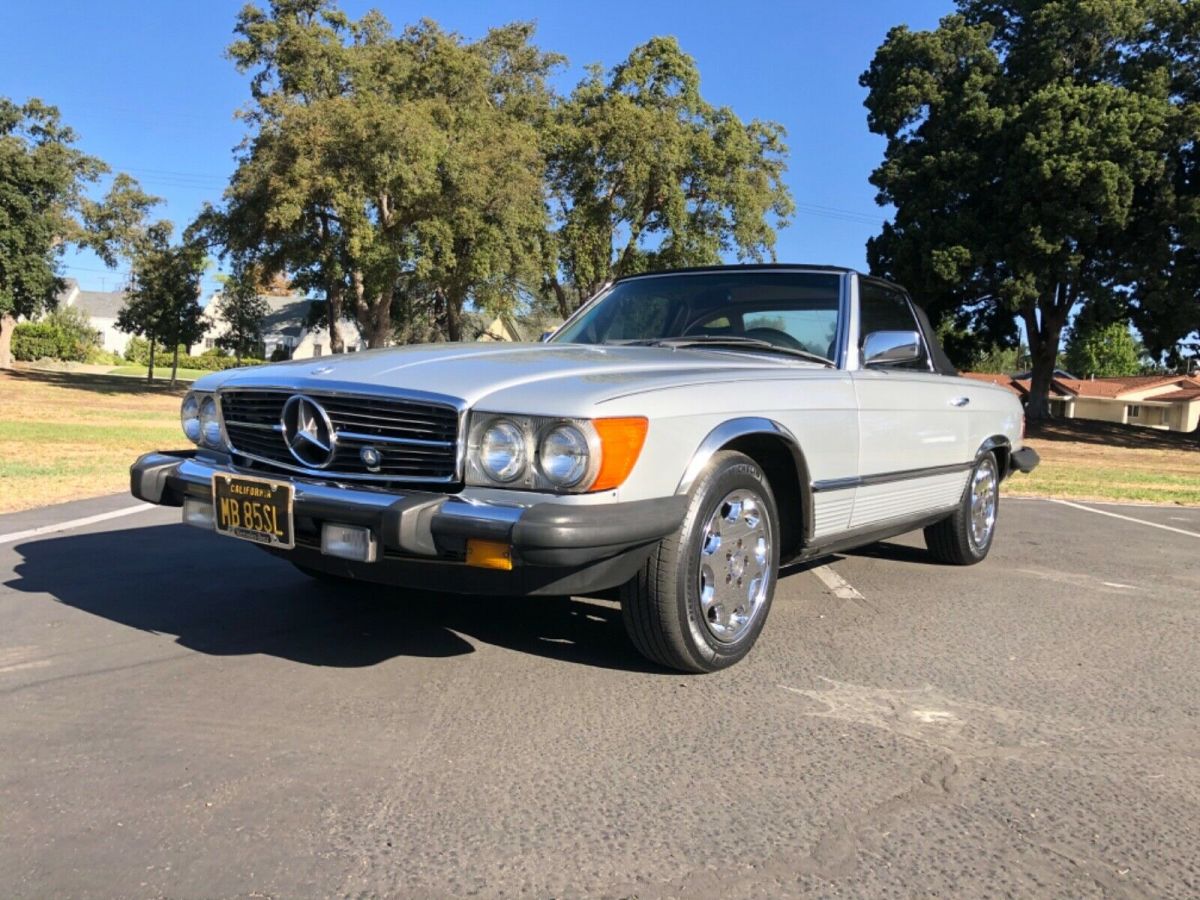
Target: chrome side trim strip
842, 484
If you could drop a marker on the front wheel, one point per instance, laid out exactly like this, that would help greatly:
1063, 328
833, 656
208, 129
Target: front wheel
701, 599
965, 537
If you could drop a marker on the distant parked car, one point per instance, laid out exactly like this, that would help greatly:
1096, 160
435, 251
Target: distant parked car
679, 437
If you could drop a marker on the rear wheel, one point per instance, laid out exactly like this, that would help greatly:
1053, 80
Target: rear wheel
965, 537
700, 601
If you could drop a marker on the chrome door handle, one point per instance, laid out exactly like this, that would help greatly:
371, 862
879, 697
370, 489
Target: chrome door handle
960, 401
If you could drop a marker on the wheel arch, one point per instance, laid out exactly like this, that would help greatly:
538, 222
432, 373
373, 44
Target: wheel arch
778, 452
1001, 446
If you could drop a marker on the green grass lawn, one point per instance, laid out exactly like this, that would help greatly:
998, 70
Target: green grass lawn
160, 372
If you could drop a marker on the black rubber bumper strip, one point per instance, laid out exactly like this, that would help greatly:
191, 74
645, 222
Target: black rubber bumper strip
560, 534
148, 476
1025, 459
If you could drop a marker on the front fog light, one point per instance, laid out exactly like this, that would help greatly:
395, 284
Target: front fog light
189, 418
210, 426
502, 451
348, 542
198, 513
564, 456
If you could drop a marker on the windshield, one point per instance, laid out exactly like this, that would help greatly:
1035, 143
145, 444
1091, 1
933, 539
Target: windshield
790, 310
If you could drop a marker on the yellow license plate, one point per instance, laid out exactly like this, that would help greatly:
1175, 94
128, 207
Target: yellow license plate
254, 509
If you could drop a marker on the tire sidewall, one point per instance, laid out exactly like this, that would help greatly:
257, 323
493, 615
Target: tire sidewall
728, 472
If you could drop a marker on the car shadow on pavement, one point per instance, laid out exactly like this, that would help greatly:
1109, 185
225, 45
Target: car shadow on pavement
223, 598
895, 552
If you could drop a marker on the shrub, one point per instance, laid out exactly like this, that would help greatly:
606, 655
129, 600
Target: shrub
38, 340
219, 363
65, 334
138, 351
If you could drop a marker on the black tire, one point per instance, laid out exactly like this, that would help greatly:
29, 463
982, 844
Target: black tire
952, 540
661, 605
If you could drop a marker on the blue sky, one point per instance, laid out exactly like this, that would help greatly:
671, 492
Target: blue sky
148, 89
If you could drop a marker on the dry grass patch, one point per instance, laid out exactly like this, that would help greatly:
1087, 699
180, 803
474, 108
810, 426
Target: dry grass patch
66, 436
1084, 460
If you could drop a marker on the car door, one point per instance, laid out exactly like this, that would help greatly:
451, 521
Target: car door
913, 457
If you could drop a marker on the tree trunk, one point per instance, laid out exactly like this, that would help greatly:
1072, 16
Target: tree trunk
7, 324
175, 366
454, 305
560, 294
1044, 337
150, 368
333, 305
380, 321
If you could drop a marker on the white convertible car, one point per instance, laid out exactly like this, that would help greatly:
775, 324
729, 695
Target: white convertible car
680, 437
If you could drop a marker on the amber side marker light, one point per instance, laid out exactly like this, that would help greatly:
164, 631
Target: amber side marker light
621, 443
489, 554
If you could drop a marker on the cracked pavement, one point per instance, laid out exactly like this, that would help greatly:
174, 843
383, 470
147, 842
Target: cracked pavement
182, 715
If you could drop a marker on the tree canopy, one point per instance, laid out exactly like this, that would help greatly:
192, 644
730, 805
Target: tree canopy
242, 309
408, 175
644, 173
45, 207
164, 296
1033, 149
1102, 350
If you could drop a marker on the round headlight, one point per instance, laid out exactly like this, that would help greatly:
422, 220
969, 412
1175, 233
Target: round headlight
210, 426
189, 418
564, 455
502, 451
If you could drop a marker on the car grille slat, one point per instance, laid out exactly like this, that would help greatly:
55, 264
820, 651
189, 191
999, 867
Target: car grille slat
417, 441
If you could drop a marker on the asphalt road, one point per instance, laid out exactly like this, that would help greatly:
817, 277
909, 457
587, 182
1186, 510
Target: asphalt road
181, 715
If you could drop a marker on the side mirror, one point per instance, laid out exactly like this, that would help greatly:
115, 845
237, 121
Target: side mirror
546, 335
889, 348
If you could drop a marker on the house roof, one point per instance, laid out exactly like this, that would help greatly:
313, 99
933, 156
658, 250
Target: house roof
97, 304
1004, 381
1185, 395
1114, 388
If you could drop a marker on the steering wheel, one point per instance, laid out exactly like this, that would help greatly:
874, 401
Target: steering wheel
776, 337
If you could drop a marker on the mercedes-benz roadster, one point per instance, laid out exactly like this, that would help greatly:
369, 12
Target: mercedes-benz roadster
679, 438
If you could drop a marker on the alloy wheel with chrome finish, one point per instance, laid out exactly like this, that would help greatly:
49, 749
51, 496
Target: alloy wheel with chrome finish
985, 484
735, 555
702, 598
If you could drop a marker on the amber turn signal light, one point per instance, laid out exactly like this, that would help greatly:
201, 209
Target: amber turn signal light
489, 554
621, 441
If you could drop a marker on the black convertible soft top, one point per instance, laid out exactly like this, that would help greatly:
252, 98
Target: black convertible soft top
941, 362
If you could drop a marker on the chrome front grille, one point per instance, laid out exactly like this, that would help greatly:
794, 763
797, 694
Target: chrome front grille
417, 440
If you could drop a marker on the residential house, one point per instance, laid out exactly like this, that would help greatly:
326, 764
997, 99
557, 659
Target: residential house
1165, 402
102, 308
285, 328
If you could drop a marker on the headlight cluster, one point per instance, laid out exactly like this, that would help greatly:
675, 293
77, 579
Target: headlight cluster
538, 453
200, 420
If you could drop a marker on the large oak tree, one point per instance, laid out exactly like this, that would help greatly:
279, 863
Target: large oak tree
1026, 141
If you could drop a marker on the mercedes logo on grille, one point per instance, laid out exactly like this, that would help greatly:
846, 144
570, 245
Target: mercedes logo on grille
309, 433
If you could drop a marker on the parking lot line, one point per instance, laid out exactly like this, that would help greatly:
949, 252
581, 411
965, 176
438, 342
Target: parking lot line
73, 523
839, 586
1104, 512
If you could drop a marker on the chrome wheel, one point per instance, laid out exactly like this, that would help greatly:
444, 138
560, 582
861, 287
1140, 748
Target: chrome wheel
735, 565
984, 484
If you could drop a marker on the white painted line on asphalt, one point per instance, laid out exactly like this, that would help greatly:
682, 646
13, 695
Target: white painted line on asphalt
73, 523
1105, 512
839, 586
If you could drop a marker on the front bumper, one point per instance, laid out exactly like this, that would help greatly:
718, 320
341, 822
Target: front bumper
557, 548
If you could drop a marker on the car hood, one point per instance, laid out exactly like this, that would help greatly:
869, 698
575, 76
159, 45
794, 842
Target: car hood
515, 377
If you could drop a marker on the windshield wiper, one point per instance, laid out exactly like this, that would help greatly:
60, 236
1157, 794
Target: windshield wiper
733, 342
